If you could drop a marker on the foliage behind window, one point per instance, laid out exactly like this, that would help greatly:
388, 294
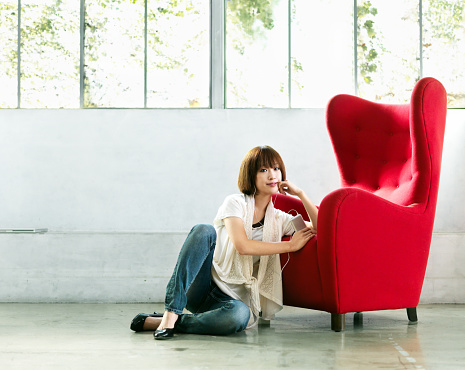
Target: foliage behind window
278, 53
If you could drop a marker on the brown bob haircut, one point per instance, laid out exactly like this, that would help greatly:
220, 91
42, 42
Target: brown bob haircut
254, 160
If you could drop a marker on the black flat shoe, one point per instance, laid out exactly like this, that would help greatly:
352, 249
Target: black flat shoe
137, 323
163, 334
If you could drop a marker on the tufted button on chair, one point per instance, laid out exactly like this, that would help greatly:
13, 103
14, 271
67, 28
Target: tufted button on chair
374, 233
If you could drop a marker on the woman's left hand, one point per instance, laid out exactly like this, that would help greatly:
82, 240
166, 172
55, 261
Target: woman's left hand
312, 211
289, 188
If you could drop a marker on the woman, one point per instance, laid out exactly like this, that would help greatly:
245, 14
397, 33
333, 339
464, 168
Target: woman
230, 274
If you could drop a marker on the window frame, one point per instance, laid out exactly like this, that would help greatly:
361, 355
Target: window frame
213, 6
217, 57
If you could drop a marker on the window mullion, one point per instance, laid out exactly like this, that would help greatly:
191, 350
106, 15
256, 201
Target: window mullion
19, 56
145, 53
217, 61
81, 54
420, 17
289, 53
355, 50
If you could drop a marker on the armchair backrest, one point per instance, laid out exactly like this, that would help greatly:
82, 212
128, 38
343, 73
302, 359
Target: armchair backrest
391, 150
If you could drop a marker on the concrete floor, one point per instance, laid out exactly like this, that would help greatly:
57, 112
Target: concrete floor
97, 336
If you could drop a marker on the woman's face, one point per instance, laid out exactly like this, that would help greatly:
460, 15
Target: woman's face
267, 180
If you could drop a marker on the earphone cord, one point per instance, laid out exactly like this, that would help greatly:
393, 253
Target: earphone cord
288, 254
288, 259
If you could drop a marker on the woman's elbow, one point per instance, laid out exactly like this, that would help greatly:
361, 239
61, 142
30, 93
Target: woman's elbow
241, 248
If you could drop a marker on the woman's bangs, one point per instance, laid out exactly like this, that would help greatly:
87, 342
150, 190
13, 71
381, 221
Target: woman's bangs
269, 158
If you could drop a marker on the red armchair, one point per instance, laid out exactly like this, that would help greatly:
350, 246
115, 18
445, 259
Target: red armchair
374, 233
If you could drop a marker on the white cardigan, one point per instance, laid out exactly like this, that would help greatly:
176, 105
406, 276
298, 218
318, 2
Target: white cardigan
233, 273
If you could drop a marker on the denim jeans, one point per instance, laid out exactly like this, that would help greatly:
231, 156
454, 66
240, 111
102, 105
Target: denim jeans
191, 287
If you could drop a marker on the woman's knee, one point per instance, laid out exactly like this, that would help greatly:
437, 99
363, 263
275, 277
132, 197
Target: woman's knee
204, 232
238, 315
204, 229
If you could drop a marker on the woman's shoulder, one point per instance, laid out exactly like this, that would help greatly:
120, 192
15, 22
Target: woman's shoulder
234, 201
235, 198
233, 205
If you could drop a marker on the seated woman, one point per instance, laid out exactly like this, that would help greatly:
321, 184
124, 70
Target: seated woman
230, 274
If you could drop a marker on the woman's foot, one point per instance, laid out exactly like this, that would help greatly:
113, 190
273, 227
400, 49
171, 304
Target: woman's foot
166, 328
169, 320
152, 323
139, 321
163, 334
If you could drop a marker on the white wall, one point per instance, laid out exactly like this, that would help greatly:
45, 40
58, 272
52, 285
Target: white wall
119, 189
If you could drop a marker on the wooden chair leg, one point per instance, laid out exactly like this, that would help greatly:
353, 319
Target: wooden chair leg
338, 321
412, 314
358, 319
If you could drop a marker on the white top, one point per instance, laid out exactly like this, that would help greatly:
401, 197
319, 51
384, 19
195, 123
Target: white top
260, 287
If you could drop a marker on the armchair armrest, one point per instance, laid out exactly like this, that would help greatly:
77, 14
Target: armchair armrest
371, 252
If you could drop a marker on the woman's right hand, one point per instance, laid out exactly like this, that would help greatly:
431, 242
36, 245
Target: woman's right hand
301, 238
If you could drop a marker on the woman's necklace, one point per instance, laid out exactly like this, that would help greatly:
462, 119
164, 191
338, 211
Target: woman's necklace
259, 223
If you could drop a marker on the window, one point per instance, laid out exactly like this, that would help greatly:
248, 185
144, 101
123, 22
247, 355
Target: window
256, 54
388, 49
105, 53
372, 48
226, 53
284, 53
179, 54
176, 42
444, 46
8, 53
49, 56
114, 54
322, 51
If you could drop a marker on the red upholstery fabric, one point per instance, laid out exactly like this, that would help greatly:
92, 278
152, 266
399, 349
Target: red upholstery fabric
374, 233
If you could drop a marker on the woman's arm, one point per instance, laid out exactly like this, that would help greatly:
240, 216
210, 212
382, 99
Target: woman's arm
292, 189
235, 229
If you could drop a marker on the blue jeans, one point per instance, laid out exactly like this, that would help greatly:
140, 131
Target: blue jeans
191, 287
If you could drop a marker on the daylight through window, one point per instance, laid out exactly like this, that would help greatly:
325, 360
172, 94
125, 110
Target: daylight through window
261, 54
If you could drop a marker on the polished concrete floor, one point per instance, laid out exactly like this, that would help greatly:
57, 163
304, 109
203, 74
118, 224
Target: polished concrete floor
97, 336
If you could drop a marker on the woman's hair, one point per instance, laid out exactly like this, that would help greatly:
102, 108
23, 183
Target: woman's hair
254, 160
